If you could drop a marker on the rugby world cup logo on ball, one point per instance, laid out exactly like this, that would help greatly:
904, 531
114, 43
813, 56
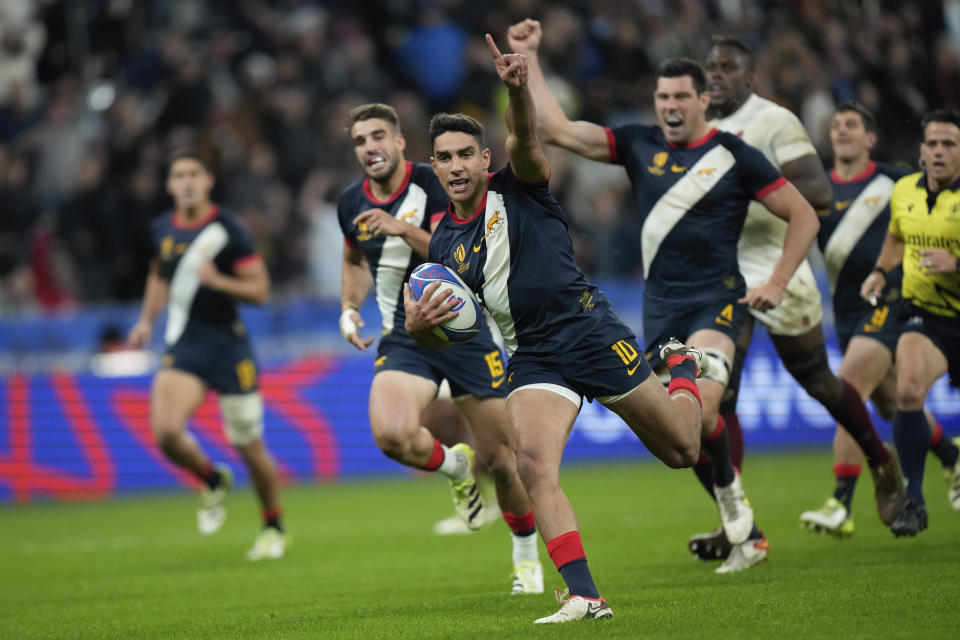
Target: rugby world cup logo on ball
466, 324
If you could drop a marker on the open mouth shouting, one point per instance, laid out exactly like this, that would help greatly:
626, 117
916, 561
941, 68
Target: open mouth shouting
459, 185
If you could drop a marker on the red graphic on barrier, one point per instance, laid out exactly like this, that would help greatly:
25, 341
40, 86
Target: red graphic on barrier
25, 476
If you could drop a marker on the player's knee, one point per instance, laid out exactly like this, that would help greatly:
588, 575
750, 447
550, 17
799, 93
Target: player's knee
885, 406
533, 469
166, 437
911, 395
242, 418
812, 371
683, 454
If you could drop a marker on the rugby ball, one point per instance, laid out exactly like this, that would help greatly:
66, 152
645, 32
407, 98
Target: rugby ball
466, 324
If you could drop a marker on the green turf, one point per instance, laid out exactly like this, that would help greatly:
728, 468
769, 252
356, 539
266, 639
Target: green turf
364, 564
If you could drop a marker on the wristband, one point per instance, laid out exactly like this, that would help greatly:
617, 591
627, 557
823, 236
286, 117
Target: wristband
347, 326
881, 271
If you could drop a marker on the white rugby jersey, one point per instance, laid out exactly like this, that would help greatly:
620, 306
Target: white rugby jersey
780, 136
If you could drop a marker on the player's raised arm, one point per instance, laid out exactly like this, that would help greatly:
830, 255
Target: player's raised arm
523, 148
581, 137
802, 226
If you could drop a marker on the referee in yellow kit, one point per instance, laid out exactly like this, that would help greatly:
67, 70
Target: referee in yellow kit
924, 235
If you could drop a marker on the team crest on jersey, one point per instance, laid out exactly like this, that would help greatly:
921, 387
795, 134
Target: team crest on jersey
363, 232
706, 172
659, 161
409, 214
872, 201
166, 247
493, 225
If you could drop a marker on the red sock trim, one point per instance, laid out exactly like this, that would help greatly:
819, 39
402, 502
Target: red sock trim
566, 548
846, 470
271, 514
205, 470
689, 385
519, 524
937, 434
718, 430
676, 358
436, 458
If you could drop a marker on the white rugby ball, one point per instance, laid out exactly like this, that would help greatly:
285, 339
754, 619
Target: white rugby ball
466, 324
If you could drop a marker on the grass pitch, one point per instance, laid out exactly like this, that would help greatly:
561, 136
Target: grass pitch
364, 564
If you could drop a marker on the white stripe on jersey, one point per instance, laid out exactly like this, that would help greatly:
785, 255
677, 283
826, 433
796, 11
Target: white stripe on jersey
854, 223
186, 279
678, 199
395, 257
496, 270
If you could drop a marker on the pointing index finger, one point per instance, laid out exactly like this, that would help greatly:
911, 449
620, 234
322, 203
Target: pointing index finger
493, 47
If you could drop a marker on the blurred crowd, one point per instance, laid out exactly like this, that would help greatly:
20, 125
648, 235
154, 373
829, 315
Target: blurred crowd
94, 95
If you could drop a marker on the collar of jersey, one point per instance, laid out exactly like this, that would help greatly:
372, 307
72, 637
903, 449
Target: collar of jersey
922, 183
696, 143
483, 205
863, 175
179, 223
395, 194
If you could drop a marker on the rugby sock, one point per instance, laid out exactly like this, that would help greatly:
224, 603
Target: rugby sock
209, 475
271, 518
852, 415
847, 475
735, 438
523, 531
718, 448
912, 436
943, 448
443, 462
567, 553
704, 471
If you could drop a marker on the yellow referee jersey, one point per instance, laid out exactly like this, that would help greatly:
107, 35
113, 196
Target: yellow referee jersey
925, 220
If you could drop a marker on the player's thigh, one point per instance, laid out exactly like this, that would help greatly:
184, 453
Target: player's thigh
651, 414
865, 364
397, 401
540, 422
174, 396
919, 363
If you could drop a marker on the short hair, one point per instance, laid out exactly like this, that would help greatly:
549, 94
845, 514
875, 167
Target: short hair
442, 123
679, 67
188, 154
950, 116
369, 111
734, 42
869, 120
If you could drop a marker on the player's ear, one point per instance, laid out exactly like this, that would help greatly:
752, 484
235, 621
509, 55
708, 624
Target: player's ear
433, 163
401, 142
871, 139
485, 154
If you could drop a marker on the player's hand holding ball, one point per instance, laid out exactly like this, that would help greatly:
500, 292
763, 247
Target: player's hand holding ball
439, 307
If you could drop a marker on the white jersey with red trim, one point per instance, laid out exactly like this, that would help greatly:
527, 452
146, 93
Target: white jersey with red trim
780, 136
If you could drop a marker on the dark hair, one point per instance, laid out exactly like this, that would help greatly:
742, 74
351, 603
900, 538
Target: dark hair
443, 122
869, 120
372, 110
950, 116
734, 42
679, 67
188, 154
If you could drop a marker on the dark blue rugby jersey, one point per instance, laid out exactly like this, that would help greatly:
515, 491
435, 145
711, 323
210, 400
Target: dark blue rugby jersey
181, 250
852, 234
391, 259
692, 202
515, 253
